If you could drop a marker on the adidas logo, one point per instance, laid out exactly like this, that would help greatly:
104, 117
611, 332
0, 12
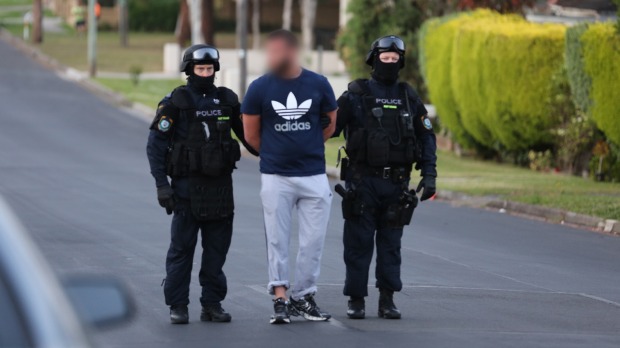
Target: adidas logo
291, 111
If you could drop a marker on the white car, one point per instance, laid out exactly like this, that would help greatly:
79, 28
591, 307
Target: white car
38, 310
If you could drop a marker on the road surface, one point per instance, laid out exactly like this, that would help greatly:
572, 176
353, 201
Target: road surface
75, 170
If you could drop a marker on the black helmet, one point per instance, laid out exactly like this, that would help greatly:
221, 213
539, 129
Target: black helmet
200, 54
390, 43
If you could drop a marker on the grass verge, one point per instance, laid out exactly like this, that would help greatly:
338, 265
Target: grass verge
147, 92
504, 181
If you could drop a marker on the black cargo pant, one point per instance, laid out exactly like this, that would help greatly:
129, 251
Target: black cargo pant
361, 233
216, 236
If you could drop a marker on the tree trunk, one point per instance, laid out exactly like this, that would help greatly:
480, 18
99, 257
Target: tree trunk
183, 29
195, 16
287, 14
343, 17
37, 21
123, 22
256, 24
308, 15
208, 31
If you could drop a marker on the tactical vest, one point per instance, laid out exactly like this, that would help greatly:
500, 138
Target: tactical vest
386, 136
209, 149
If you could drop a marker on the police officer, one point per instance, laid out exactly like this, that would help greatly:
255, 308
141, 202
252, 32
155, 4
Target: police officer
190, 141
387, 132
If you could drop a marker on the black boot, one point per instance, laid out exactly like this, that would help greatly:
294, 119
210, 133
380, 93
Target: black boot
179, 314
357, 308
215, 313
387, 308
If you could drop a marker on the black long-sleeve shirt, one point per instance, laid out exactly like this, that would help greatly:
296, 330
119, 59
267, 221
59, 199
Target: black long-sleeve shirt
351, 117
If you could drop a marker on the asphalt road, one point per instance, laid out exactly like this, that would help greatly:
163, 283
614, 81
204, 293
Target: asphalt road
75, 170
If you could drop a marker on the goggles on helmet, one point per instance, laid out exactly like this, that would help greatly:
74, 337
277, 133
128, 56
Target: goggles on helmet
391, 42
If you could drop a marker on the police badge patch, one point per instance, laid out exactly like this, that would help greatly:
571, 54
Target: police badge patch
427, 122
164, 124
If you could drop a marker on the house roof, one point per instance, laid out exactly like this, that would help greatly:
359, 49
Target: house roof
596, 5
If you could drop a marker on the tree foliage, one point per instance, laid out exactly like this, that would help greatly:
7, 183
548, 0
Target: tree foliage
501, 6
371, 19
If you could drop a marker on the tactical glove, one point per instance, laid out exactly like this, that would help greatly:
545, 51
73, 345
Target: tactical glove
325, 121
165, 196
428, 185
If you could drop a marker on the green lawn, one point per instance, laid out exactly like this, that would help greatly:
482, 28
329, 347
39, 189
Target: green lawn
479, 178
14, 2
147, 92
145, 50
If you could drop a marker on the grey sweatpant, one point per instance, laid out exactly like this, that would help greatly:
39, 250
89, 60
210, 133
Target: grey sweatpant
312, 197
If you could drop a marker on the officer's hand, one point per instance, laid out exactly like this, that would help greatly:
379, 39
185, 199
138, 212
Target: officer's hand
325, 121
165, 196
428, 185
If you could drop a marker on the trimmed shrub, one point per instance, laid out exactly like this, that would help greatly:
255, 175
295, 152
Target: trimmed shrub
601, 53
501, 74
500, 71
436, 44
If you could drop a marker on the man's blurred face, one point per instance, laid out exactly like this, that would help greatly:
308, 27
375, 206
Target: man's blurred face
204, 70
280, 56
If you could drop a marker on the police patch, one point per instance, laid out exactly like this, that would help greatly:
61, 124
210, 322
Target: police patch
164, 124
427, 123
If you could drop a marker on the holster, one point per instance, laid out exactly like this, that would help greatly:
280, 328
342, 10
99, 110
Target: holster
344, 167
400, 214
352, 203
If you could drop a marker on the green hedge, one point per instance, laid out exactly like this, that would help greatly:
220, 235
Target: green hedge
153, 15
601, 56
500, 70
436, 44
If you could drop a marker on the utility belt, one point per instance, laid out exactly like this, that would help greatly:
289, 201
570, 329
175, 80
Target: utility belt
211, 159
395, 215
394, 173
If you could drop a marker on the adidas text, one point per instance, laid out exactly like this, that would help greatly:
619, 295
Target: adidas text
292, 126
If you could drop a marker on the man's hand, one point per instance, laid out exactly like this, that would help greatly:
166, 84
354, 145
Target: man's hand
165, 196
251, 130
331, 127
428, 185
325, 121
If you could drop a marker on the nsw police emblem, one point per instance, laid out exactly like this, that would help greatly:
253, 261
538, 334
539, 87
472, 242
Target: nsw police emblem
164, 124
427, 123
